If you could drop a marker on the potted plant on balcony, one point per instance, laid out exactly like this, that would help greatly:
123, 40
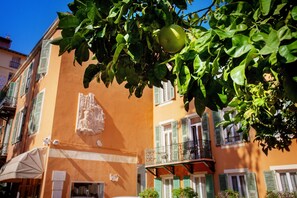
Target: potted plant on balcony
149, 193
187, 192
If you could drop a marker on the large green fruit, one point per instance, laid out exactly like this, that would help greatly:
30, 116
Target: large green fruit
172, 38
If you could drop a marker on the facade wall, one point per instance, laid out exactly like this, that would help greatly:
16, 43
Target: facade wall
54, 97
6, 56
230, 159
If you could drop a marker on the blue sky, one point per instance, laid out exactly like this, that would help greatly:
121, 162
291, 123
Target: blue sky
25, 21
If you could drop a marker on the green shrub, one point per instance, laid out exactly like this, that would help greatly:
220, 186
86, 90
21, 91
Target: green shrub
149, 193
184, 193
228, 194
272, 194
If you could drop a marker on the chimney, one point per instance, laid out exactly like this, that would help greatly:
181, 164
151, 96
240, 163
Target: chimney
5, 42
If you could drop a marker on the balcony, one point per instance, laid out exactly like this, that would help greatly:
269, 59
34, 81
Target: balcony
7, 107
185, 154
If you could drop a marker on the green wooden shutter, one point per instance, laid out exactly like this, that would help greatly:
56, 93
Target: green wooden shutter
158, 186
157, 95
174, 141
270, 182
209, 186
218, 134
176, 182
158, 148
223, 179
10, 91
252, 185
171, 90
187, 181
29, 77
205, 126
44, 57
184, 122
16, 90
186, 154
31, 124
15, 128
36, 113
24, 82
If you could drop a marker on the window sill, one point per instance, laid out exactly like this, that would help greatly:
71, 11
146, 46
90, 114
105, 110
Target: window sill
164, 103
233, 145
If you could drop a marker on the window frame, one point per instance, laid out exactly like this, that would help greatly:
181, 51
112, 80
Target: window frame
240, 188
19, 126
164, 94
32, 113
201, 190
224, 132
164, 191
87, 182
292, 168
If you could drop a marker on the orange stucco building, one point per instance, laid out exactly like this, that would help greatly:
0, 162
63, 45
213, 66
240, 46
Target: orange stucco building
193, 151
67, 141
62, 140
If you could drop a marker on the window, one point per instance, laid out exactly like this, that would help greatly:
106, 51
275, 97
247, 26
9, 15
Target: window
228, 135
240, 181
6, 137
287, 181
199, 185
167, 187
26, 80
44, 59
195, 133
35, 115
238, 184
12, 93
165, 94
18, 126
166, 142
15, 62
85, 189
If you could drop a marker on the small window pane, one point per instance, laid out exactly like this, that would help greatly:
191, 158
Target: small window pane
293, 177
87, 190
284, 182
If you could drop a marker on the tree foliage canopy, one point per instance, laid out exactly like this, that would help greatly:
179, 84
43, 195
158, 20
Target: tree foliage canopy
246, 59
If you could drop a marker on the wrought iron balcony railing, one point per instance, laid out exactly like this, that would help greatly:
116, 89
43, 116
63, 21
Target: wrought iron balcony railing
8, 101
186, 151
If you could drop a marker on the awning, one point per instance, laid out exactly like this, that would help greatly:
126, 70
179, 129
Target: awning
28, 165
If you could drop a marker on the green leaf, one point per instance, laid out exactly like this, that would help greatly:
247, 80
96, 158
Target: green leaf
117, 52
160, 71
102, 32
288, 51
238, 74
82, 53
68, 21
120, 39
265, 6
223, 34
183, 79
200, 106
135, 51
91, 71
279, 8
272, 43
199, 65
240, 46
284, 33
294, 13
65, 45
